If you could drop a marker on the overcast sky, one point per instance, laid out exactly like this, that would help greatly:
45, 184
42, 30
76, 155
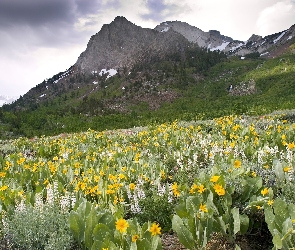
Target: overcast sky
40, 38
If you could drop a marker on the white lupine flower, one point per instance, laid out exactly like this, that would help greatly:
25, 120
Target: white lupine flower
135, 209
140, 193
73, 200
161, 190
50, 195
170, 196
21, 206
65, 202
39, 201
65, 155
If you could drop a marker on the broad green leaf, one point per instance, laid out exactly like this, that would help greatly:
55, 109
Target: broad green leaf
181, 211
236, 217
279, 172
244, 219
143, 244
277, 241
108, 219
237, 247
77, 226
84, 209
101, 232
156, 243
91, 222
184, 235
99, 245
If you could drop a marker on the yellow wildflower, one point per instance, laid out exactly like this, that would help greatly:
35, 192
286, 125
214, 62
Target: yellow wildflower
193, 188
3, 188
291, 145
219, 189
264, 191
21, 160
287, 169
203, 208
201, 189
132, 186
214, 178
270, 202
237, 164
175, 189
122, 225
135, 237
155, 229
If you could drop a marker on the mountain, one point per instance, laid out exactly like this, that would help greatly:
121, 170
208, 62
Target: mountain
267, 46
122, 44
129, 75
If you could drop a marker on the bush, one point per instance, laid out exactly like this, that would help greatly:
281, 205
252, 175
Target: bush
43, 226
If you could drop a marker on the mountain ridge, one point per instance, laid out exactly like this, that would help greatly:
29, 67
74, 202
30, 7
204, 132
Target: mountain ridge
122, 44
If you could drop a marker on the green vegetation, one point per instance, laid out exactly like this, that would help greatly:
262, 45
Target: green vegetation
184, 167
122, 189
202, 95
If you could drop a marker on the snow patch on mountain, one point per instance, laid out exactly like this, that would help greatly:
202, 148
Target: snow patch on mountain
110, 72
278, 38
220, 47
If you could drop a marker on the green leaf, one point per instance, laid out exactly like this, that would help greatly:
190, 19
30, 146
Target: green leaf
156, 243
236, 217
143, 244
269, 218
91, 222
108, 219
279, 172
221, 224
101, 232
184, 235
133, 246
84, 209
77, 226
277, 241
99, 245
244, 219
181, 211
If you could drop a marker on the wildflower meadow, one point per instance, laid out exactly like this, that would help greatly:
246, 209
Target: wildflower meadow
122, 189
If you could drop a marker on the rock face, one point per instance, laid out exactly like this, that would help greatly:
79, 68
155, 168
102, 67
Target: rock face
211, 39
122, 43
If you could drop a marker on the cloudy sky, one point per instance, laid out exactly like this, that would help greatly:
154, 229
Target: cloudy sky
40, 38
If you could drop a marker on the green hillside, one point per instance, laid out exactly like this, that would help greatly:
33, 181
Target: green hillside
201, 86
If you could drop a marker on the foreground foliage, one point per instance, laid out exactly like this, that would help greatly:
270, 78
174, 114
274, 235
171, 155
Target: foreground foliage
225, 175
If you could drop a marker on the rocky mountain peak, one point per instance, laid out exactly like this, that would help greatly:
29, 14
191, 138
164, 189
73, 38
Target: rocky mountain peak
255, 38
122, 43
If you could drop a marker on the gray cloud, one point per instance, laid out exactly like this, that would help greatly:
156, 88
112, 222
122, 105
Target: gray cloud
45, 23
35, 13
156, 8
